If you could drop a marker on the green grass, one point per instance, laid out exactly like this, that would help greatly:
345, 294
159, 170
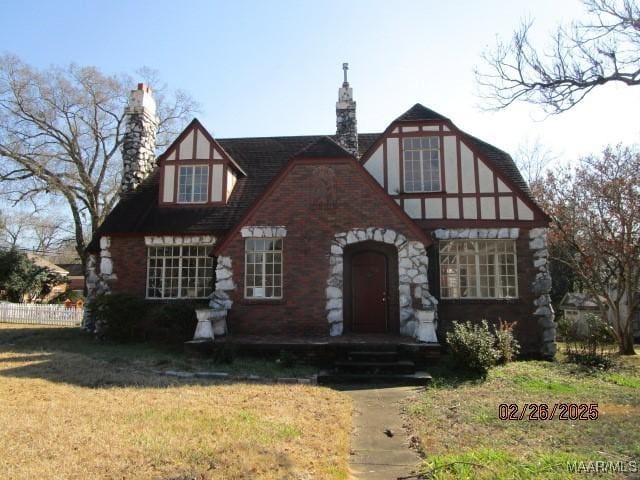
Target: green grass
462, 437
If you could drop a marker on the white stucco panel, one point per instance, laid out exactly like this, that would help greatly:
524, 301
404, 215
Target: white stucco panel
506, 208
375, 165
524, 212
453, 208
488, 208
433, 208
502, 188
186, 147
451, 164
169, 178
216, 183
393, 165
485, 177
413, 208
203, 147
469, 208
468, 171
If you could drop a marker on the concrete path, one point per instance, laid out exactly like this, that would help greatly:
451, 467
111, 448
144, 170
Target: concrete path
379, 443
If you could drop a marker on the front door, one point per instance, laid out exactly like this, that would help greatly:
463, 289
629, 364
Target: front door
369, 288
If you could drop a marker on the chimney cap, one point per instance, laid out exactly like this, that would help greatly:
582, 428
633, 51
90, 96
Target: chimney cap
144, 87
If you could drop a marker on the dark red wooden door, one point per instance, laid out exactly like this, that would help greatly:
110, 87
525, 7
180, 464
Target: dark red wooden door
369, 292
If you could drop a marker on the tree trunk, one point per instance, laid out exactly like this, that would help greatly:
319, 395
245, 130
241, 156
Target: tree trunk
626, 344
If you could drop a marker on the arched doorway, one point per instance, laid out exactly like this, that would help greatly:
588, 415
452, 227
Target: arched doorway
371, 288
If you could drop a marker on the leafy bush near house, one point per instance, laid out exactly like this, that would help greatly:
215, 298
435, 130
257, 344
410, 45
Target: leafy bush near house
472, 346
172, 322
589, 343
118, 316
506, 343
477, 347
125, 317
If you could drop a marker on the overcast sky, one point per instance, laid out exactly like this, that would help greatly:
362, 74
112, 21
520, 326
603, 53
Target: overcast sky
263, 68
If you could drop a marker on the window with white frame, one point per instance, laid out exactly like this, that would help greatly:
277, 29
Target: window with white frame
184, 271
193, 183
421, 157
263, 268
478, 269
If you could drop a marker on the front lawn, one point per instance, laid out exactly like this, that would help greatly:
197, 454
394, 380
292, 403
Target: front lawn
75, 409
457, 422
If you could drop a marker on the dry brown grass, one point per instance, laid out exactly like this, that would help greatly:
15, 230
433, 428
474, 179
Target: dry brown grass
66, 414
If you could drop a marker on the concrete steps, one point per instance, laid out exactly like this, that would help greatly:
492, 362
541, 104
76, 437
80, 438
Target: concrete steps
381, 365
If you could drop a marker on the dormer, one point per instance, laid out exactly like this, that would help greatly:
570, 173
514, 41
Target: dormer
196, 171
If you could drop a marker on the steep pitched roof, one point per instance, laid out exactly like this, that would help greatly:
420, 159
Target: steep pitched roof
261, 157
323, 147
420, 112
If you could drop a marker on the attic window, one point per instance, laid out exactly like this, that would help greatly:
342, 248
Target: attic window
193, 184
421, 164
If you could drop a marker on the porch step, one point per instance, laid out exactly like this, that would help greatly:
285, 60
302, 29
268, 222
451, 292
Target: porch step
375, 367
337, 378
373, 356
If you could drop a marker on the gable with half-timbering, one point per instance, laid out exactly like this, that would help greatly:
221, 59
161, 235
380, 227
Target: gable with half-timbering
440, 174
195, 170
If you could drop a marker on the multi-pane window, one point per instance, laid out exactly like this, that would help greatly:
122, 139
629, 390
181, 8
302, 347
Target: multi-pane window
192, 183
421, 164
179, 271
263, 268
478, 269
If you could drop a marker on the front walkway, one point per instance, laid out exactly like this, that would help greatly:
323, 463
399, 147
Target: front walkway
379, 443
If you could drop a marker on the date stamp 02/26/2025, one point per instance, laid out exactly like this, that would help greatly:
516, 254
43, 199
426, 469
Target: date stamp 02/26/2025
571, 412
545, 411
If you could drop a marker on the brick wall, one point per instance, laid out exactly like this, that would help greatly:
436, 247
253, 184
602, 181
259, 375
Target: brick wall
528, 332
298, 203
129, 256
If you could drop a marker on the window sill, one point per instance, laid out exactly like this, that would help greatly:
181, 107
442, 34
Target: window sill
479, 301
262, 301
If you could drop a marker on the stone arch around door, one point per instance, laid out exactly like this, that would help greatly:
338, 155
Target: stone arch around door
414, 301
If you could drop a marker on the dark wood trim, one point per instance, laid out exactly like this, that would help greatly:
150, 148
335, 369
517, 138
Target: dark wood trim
434, 224
459, 168
194, 154
384, 166
477, 181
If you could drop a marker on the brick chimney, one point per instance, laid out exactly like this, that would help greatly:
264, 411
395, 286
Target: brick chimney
346, 128
139, 143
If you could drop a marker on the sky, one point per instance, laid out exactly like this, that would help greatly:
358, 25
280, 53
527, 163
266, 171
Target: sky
262, 68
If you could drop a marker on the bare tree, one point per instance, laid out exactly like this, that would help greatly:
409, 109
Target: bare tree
603, 48
533, 160
60, 135
596, 211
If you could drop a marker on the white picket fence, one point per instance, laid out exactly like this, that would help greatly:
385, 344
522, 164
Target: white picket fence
36, 314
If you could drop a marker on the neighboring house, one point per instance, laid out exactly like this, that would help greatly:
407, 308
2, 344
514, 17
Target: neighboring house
575, 306
75, 276
56, 290
330, 234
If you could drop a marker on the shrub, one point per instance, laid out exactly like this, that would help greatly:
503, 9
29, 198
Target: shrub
171, 322
588, 344
224, 352
472, 346
118, 315
506, 344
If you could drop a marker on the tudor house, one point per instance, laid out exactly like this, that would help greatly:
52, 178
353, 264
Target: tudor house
394, 232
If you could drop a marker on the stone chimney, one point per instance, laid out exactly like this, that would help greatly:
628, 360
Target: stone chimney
139, 143
346, 128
